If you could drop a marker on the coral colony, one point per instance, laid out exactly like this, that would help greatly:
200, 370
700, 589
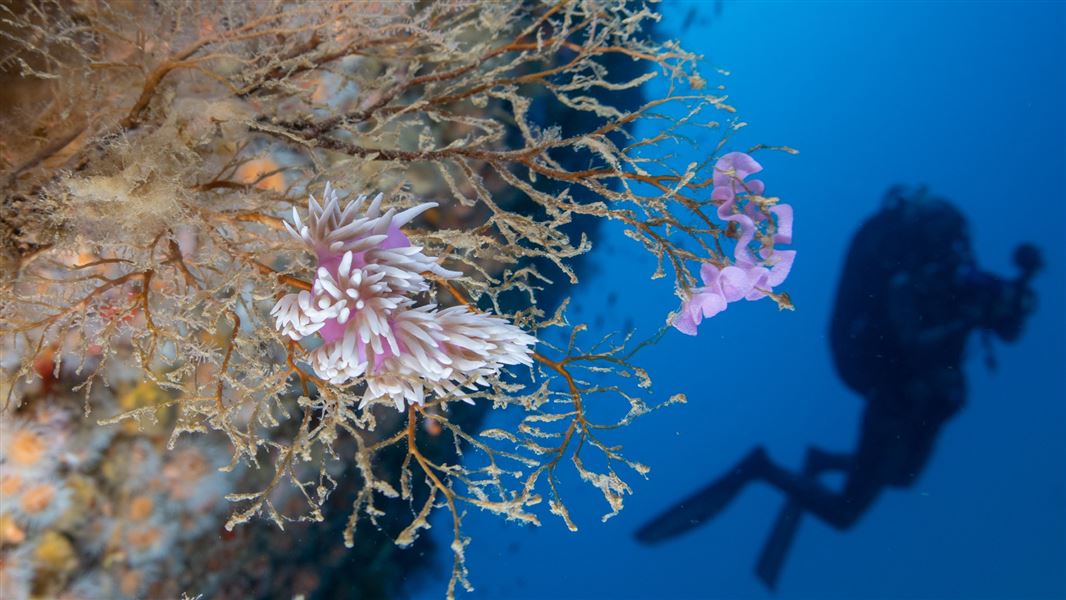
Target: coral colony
749, 277
361, 307
140, 219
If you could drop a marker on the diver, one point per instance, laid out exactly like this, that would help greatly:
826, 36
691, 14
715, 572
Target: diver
909, 297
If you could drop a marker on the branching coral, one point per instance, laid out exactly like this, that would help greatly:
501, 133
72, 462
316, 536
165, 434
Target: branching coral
143, 217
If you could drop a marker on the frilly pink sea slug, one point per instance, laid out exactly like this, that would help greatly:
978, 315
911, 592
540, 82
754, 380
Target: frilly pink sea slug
750, 277
361, 307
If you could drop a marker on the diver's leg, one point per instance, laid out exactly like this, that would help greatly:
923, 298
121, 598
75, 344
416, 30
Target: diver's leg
839, 509
818, 461
936, 397
778, 544
701, 506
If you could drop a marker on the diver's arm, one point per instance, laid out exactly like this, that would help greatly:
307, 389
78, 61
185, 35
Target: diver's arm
997, 304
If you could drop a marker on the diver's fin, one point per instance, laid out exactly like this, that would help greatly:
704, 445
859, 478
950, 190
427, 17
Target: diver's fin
776, 548
691, 512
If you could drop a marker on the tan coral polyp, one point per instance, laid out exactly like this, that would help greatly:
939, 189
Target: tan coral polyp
37, 498
10, 485
27, 447
141, 508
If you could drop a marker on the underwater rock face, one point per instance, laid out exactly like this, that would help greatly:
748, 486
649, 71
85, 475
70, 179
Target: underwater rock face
91, 512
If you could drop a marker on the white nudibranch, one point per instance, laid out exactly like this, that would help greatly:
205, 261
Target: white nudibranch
361, 306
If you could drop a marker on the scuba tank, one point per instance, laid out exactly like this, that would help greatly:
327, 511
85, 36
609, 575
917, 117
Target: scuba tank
895, 285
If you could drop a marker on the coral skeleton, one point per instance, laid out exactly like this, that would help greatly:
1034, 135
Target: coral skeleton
360, 306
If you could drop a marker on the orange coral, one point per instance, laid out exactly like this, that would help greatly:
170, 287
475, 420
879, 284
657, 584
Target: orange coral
27, 447
261, 172
10, 532
141, 508
10, 485
130, 582
143, 538
38, 498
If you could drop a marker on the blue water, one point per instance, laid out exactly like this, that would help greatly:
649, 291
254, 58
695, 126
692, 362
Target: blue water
968, 98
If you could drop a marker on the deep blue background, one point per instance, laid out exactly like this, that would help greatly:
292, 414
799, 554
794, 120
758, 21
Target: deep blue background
968, 98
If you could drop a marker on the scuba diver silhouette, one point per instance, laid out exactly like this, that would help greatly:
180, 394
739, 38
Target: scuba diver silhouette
909, 296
